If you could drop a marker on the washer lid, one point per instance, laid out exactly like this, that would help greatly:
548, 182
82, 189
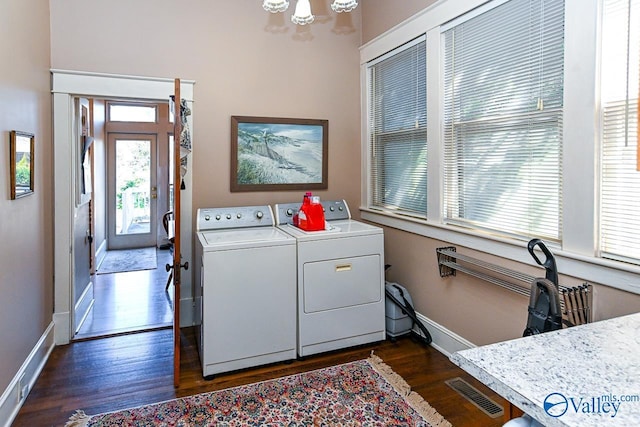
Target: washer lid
246, 237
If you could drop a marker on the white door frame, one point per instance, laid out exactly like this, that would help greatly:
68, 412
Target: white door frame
65, 86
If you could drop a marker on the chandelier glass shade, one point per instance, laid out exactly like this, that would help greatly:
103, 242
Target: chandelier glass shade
344, 5
303, 14
275, 6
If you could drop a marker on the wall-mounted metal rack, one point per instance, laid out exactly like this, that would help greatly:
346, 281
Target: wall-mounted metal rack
576, 302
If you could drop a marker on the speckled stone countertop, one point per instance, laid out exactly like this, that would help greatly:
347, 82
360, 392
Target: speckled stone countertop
588, 375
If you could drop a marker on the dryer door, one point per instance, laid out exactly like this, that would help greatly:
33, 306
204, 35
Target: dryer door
343, 282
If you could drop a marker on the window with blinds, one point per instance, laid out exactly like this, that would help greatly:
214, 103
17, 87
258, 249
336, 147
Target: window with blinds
398, 130
620, 180
503, 105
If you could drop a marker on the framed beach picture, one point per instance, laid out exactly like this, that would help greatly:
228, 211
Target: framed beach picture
272, 154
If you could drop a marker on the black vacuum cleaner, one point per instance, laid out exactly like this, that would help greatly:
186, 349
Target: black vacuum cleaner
544, 309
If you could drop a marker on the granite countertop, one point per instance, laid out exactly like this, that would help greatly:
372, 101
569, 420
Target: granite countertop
589, 375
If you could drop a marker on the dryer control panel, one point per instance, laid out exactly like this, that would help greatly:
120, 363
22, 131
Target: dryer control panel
333, 210
234, 217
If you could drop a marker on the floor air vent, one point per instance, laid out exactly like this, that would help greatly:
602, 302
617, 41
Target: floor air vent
476, 397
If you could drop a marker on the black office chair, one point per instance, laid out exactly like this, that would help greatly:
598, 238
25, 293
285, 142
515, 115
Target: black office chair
167, 219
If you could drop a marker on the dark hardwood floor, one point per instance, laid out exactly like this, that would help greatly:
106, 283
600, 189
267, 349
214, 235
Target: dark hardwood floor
124, 371
130, 301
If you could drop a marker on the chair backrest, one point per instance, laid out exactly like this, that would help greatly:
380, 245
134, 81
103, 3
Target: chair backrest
168, 216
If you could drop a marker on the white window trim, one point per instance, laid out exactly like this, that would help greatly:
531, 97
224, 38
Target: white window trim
577, 257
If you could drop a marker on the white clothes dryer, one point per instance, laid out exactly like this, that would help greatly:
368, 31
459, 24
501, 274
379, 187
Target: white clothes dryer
247, 289
340, 273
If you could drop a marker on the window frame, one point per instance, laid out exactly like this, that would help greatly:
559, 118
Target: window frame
389, 138
489, 128
147, 105
577, 254
611, 245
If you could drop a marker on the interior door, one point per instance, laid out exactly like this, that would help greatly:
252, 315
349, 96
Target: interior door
132, 190
177, 256
82, 234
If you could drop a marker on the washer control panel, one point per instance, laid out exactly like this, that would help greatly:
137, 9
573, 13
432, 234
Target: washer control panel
333, 210
234, 217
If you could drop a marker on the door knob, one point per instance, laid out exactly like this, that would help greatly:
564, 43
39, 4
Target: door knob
169, 267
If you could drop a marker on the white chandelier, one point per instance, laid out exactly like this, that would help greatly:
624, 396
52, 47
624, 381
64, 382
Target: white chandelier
302, 14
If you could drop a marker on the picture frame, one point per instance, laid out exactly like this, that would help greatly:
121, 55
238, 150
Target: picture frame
21, 161
273, 154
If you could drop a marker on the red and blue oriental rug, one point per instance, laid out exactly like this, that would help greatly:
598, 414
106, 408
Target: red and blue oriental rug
361, 393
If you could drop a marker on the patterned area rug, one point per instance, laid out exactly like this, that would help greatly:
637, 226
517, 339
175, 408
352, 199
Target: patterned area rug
128, 260
361, 393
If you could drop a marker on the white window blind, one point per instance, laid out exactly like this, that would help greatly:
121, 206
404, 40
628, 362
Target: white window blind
503, 103
620, 181
398, 130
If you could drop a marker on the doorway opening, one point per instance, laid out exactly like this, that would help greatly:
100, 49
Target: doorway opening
132, 191
130, 301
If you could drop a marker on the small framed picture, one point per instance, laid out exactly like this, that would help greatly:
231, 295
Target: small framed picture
21, 163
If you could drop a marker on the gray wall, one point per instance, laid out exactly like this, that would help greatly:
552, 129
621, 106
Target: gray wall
26, 266
245, 61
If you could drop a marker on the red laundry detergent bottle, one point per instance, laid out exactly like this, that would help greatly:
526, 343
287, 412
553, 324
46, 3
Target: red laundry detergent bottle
311, 214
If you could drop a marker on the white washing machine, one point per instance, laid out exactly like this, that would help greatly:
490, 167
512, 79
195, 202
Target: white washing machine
340, 280
247, 289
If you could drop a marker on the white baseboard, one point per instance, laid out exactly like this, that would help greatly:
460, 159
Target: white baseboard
62, 330
444, 340
83, 306
101, 252
14, 396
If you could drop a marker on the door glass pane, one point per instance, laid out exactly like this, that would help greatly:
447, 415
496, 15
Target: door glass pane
132, 113
133, 185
